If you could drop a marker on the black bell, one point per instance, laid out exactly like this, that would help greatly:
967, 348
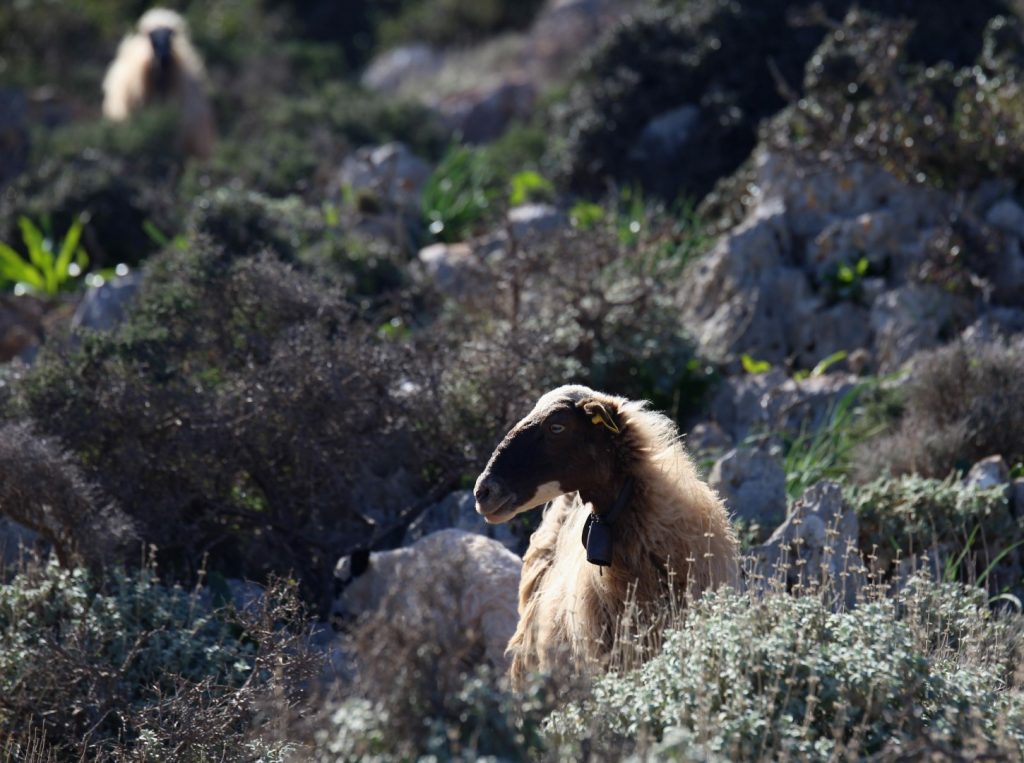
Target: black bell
597, 537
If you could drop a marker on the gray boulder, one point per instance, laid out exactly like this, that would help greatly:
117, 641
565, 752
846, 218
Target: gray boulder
529, 220
743, 297
663, 139
815, 548
752, 482
708, 437
390, 173
481, 114
909, 319
453, 268
388, 71
16, 542
1008, 216
772, 402
103, 307
988, 473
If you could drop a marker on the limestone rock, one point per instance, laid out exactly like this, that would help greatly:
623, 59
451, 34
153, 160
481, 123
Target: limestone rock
388, 71
988, 473
103, 307
482, 114
1007, 215
529, 220
752, 482
391, 174
909, 319
453, 268
708, 436
815, 546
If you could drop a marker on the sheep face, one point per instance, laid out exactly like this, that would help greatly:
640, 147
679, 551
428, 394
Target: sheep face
564, 445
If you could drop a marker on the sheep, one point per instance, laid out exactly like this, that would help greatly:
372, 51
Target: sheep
617, 478
158, 64
464, 581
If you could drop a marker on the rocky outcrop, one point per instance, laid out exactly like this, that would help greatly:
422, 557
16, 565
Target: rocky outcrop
816, 547
752, 482
838, 257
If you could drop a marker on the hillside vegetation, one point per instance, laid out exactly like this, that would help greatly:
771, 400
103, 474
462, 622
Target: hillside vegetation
794, 227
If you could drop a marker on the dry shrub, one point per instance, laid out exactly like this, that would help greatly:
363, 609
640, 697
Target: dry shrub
603, 300
242, 412
42, 488
963, 402
866, 98
129, 668
252, 410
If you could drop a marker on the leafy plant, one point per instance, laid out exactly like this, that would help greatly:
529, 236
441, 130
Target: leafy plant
826, 452
752, 366
529, 186
49, 268
973, 531
463, 192
778, 677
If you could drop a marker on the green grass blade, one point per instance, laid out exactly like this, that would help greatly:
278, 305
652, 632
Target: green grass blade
994, 562
952, 570
68, 249
33, 238
12, 266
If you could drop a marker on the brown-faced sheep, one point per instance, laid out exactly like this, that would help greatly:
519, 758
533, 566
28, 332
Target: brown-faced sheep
625, 495
157, 64
462, 583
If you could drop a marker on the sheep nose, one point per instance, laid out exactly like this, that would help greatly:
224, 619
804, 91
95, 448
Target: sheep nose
489, 493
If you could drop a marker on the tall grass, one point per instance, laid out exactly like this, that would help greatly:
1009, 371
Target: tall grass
827, 452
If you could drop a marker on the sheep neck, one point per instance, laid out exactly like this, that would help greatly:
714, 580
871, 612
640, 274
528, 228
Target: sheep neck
622, 500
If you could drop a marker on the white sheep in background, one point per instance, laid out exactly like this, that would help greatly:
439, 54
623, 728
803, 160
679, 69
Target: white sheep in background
157, 64
468, 583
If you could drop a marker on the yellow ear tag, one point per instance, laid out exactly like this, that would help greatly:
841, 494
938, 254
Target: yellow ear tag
597, 418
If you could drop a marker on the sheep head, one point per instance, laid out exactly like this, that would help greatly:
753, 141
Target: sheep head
161, 26
567, 443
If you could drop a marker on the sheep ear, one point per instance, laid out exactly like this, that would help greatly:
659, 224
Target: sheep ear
599, 413
360, 562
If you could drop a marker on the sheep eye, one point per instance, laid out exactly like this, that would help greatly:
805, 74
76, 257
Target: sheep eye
556, 428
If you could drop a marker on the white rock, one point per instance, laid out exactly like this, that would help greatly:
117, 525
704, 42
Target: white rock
987, 473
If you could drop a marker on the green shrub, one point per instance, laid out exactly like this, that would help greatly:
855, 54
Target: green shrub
252, 409
463, 194
967, 529
454, 22
950, 126
473, 186
766, 678
734, 60
962, 403
302, 138
129, 668
116, 203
